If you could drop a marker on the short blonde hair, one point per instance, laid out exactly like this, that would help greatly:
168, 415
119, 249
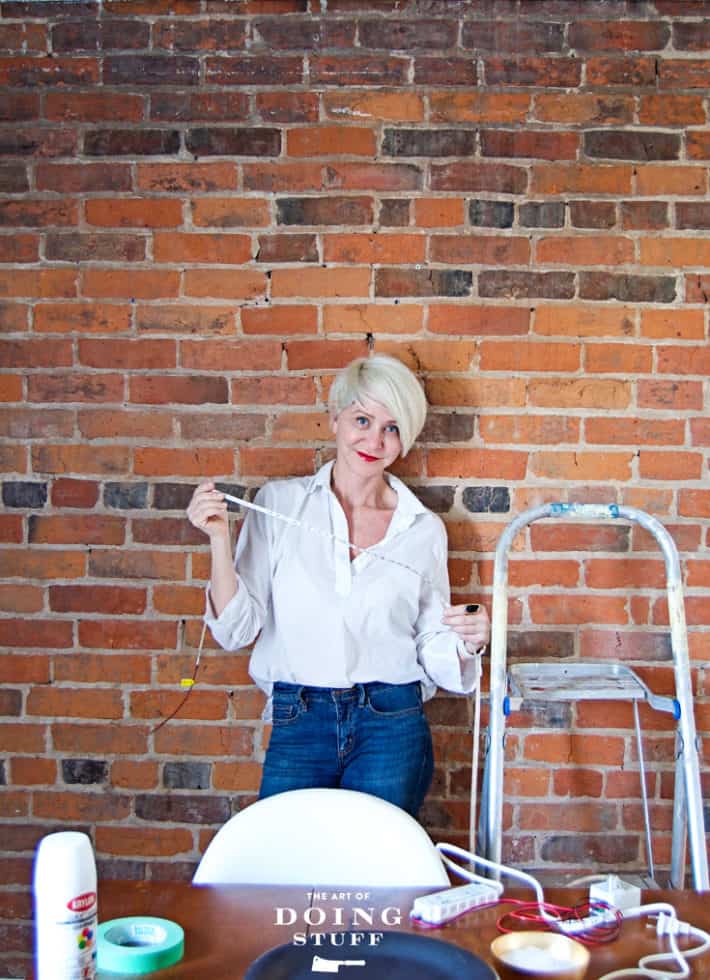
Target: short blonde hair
386, 380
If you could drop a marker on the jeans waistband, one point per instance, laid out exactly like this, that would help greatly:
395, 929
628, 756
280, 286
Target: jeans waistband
357, 690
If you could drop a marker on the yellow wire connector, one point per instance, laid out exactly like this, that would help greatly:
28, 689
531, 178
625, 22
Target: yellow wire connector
186, 682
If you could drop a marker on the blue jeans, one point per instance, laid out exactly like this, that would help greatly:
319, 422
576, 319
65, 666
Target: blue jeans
371, 737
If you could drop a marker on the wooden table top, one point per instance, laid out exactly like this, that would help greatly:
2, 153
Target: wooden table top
228, 926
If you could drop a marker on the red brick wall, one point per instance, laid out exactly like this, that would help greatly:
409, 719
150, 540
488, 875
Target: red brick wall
210, 206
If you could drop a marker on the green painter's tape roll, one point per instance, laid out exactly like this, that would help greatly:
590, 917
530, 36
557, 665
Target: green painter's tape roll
139, 944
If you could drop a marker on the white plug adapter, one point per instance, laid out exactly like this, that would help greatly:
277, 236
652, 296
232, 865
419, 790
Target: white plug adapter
616, 892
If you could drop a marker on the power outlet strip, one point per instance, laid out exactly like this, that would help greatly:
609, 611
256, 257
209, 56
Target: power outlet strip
616, 892
446, 905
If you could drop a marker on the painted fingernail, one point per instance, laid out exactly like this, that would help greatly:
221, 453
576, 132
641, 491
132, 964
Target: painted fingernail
472, 607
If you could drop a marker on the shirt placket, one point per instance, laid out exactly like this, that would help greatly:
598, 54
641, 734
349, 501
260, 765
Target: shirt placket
341, 552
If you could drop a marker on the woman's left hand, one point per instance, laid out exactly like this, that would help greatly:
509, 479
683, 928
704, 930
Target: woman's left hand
471, 623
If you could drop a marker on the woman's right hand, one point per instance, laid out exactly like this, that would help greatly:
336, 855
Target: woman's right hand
207, 511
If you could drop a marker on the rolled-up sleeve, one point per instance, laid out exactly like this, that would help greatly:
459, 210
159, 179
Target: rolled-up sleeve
440, 651
242, 618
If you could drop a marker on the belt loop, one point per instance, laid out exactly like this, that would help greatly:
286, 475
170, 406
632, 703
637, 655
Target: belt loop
361, 695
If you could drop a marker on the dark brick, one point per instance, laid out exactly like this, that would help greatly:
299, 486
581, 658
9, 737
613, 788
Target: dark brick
693, 214
236, 491
234, 142
585, 850
13, 178
542, 214
151, 69
131, 142
627, 288
540, 645
183, 809
172, 496
50, 8
438, 499
360, 70
445, 72
448, 427
187, 775
513, 36
592, 214
692, 35
126, 496
394, 212
215, 106
405, 35
15, 106
24, 494
642, 35
287, 33
469, 176
78, 247
487, 500
3, 778
254, 71
549, 72
84, 771
100, 35
429, 143
287, 248
644, 214
423, 282
10, 702
491, 214
116, 869
172, 870
72, 178
36, 142
615, 144
516, 285
324, 211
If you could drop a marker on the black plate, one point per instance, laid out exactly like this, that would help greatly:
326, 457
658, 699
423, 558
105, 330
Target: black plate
398, 956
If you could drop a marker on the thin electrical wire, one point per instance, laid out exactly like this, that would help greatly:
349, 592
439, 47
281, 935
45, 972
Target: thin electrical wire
332, 537
189, 682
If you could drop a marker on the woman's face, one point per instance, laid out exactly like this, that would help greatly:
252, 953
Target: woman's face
366, 437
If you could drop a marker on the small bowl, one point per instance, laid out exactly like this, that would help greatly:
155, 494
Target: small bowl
539, 954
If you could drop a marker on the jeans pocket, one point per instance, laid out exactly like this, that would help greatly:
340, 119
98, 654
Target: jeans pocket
286, 707
395, 700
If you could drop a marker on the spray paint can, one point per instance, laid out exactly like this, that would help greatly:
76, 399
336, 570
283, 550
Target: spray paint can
65, 907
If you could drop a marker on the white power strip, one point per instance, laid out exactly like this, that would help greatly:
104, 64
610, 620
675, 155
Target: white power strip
616, 892
443, 906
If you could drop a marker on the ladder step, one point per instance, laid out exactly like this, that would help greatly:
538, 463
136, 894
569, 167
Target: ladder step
577, 682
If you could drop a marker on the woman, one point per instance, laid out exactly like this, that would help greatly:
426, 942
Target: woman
348, 645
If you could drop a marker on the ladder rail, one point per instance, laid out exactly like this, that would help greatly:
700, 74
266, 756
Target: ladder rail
688, 809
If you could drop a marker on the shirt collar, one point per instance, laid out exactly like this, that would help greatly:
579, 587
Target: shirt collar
408, 505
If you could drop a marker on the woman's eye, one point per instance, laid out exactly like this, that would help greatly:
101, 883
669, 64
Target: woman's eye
393, 428
361, 421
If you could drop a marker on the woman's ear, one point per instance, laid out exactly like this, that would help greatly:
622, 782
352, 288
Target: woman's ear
333, 424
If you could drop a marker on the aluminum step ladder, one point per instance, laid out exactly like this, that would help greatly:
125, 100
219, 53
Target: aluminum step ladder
588, 681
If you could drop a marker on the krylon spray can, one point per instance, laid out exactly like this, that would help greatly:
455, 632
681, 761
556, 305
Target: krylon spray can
65, 907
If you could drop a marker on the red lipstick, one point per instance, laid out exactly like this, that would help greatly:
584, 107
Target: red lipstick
368, 459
